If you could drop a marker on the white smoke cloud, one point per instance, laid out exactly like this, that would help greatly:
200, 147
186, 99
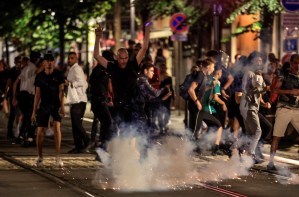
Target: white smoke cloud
134, 164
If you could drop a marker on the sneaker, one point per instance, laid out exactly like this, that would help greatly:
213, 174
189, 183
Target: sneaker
38, 162
215, 150
59, 162
257, 160
74, 151
271, 166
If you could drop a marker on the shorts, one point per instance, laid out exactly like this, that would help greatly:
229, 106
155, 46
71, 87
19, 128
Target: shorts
283, 117
43, 115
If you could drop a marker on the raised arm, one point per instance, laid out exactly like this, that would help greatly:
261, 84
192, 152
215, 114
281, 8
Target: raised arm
97, 54
144, 47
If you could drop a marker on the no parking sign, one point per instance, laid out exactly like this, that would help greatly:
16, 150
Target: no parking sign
178, 23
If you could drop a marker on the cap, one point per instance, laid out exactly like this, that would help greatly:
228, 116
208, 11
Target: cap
49, 57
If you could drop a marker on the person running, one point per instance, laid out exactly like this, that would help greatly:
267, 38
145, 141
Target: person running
49, 86
211, 100
253, 86
195, 103
288, 106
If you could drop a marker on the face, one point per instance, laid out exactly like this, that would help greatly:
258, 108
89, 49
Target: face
149, 73
218, 74
18, 63
210, 68
72, 59
48, 65
295, 66
25, 63
122, 59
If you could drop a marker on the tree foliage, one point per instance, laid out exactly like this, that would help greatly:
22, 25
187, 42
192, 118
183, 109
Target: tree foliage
158, 8
10, 11
255, 6
37, 23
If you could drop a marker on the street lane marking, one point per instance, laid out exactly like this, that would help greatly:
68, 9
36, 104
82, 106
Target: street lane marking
283, 160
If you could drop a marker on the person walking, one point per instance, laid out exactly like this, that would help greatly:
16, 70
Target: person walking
26, 97
13, 111
49, 95
77, 86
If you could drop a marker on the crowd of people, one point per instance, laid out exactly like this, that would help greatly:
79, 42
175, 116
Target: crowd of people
129, 88
119, 90
230, 96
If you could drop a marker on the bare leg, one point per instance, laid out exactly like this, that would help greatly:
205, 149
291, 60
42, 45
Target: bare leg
274, 147
235, 127
57, 136
39, 141
218, 136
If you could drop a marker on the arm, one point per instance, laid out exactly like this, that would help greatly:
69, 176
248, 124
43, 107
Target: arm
221, 102
61, 97
36, 101
14, 100
265, 104
230, 80
144, 47
80, 80
193, 96
7, 87
238, 96
277, 89
97, 54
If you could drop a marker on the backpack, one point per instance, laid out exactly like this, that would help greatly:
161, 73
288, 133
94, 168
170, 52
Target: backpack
184, 87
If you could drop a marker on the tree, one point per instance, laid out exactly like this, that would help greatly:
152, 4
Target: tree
10, 11
48, 24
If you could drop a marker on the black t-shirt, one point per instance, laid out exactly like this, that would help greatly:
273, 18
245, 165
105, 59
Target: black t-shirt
124, 81
49, 88
13, 75
98, 82
201, 79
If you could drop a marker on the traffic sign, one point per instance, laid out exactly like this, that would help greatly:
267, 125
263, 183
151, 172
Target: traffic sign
290, 5
178, 23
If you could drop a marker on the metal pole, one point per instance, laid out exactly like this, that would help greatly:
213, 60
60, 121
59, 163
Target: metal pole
180, 63
217, 9
216, 32
132, 19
